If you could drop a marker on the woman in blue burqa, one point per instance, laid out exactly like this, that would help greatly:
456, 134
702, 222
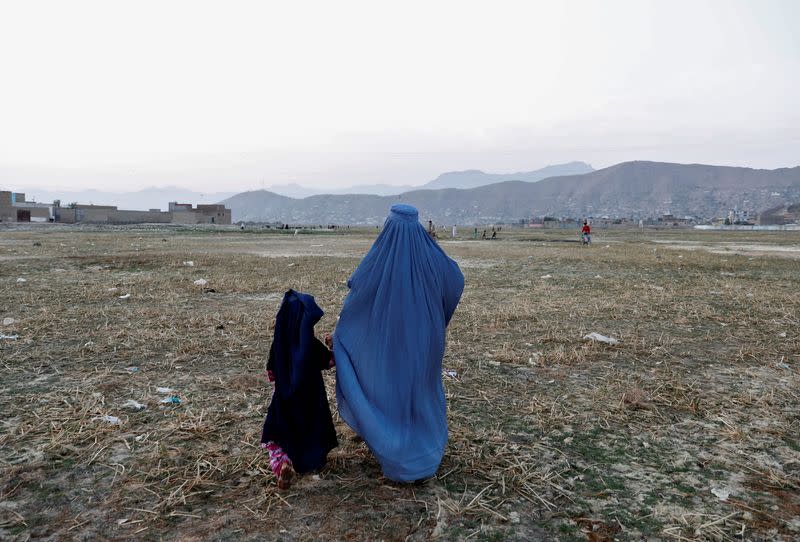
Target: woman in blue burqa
389, 343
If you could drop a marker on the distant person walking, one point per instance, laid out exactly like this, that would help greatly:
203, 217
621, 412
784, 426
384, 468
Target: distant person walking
454, 231
586, 233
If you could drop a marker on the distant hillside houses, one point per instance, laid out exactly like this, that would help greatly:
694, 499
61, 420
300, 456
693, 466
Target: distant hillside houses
14, 208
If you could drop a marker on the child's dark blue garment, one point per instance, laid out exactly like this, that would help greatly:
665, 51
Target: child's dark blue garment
299, 419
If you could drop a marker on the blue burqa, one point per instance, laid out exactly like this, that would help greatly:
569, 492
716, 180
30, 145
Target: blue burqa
389, 343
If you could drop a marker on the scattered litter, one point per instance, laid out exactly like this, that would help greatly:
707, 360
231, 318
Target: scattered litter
113, 290
598, 277
141, 438
200, 282
9, 321
59, 270
126, 296
3, 336
601, 338
133, 405
546, 277
171, 400
782, 365
782, 334
164, 390
722, 493
452, 374
607, 246
113, 420
290, 265
188, 263
132, 369
317, 246
123, 521
727, 274
20, 280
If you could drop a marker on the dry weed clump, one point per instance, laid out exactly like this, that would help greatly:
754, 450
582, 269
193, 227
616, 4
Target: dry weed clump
686, 429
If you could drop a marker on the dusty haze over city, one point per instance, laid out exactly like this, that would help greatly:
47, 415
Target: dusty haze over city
193, 95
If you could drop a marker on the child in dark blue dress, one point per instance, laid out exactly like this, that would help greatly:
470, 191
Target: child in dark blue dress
298, 432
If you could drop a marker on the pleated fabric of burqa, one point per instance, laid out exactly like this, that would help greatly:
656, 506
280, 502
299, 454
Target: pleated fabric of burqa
389, 343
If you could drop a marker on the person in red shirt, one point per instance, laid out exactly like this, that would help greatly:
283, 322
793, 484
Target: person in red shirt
586, 233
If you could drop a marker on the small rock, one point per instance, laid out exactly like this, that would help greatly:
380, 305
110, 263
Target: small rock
513, 517
8, 321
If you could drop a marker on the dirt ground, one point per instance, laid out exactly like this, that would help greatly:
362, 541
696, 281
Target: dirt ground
687, 429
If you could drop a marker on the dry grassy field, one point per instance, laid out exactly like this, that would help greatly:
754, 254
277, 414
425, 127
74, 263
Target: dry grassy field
687, 429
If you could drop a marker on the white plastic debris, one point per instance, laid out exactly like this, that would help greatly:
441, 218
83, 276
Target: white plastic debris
133, 405
451, 374
782, 334
113, 420
9, 321
113, 290
20, 280
546, 277
188, 263
601, 338
722, 493
164, 390
126, 296
200, 282
3, 336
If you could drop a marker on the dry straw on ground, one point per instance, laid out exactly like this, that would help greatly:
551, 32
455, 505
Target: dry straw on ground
685, 430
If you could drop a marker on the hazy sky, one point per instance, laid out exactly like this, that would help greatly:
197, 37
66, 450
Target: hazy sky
230, 95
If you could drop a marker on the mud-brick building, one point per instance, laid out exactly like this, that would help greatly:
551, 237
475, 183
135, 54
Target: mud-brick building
184, 213
14, 208
179, 213
108, 214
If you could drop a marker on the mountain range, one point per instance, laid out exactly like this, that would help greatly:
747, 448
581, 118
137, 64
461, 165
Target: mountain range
159, 197
629, 189
454, 179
